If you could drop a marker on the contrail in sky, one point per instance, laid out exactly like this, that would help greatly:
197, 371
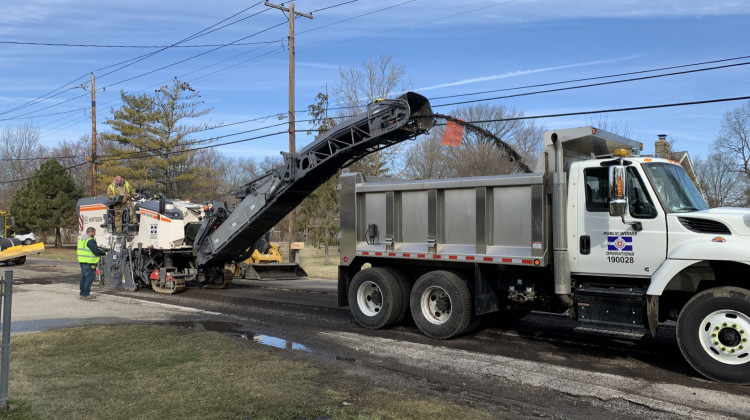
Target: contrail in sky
524, 72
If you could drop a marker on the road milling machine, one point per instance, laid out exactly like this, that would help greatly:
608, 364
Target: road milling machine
175, 241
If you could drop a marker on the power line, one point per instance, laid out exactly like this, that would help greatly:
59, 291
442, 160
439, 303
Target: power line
356, 17
45, 115
396, 28
603, 111
132, 61
335, 5
46, 95
194, 56
46, 174
593, 84
593, 78
174, 152
189, 38
51, 44
28, 114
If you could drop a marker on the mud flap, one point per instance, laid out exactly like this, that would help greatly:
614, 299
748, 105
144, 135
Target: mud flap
117, 268
486, 299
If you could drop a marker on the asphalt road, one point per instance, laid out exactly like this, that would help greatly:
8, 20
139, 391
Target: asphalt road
541, 366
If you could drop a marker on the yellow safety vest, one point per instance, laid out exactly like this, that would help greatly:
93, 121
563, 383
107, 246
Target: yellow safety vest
127, 187
85, 256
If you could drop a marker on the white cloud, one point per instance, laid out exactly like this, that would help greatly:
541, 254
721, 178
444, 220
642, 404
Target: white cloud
525, 72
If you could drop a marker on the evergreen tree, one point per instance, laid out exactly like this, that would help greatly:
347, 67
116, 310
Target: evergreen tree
47, 202
151, 128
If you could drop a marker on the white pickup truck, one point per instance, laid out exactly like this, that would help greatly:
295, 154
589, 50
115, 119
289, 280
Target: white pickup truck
26, 239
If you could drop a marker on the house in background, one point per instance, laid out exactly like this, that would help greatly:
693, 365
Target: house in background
663, 149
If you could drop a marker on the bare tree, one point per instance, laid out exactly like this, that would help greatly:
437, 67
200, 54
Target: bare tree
19, 152
76, 155
611, 124
479, 154
722, 186
361, 85
426, 158
734, 138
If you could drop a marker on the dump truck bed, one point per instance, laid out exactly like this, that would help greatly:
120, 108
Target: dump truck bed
493, 219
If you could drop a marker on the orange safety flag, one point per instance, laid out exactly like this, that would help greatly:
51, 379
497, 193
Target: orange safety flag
453, 134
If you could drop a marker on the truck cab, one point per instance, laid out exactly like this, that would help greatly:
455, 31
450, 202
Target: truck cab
661, 201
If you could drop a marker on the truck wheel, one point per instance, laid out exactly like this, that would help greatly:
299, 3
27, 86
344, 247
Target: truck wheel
712, 332
405, 284
375, 298
20, 260
27, 241
441, 304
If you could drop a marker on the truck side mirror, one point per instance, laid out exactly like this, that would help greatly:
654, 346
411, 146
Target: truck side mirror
618, 200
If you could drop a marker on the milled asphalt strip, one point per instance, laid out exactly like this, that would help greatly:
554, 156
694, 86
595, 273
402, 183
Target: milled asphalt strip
671, 398
162, 305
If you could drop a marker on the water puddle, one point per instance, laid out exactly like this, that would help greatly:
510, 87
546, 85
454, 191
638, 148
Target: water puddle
234, 329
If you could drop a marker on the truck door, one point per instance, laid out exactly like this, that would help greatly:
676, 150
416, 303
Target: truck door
607, 246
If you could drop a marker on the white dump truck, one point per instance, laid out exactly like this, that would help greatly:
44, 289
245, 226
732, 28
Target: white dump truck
620, 242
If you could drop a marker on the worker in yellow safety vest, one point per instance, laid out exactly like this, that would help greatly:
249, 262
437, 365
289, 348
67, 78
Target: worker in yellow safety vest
88, 256
120, 188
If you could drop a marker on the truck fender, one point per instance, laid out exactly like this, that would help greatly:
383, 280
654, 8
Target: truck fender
664, 274
696, 250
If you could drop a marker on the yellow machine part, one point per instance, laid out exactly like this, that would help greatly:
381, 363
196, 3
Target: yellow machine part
273, 255
268, 266
20, 251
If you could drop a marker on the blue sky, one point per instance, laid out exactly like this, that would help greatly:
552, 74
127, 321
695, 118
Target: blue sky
447, 48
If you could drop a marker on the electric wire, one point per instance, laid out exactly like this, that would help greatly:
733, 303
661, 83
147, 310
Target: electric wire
46, 95
593, 78
50, 44
335, 5
567, 114
356, 17
189, 38
131, 61
611, 82
45, 115
194, 56
613, 110
392, 29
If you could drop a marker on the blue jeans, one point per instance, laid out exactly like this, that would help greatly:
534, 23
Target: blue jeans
88, 272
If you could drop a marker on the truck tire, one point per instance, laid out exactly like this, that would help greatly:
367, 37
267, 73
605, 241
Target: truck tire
376, 298
441, 304
405, 283
20, 260
27, 241
712, 332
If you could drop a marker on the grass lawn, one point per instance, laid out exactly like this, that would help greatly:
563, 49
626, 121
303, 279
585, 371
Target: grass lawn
165, 372
67, 253
311, 259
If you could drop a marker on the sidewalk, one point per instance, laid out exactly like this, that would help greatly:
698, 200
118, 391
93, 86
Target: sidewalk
43, 307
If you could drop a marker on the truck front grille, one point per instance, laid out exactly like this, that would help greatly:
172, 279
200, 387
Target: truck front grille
704, 226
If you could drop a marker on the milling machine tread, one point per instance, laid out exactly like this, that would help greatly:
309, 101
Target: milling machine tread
228, 276
179, 286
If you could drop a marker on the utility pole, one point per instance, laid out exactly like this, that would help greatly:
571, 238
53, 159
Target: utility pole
93, 137
292, 147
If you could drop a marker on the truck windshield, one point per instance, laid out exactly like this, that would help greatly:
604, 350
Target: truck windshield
676, 190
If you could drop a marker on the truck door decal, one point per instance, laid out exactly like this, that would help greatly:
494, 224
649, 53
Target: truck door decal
634, 252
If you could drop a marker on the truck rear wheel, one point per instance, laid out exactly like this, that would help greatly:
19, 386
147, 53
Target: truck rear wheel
405, 284
376, 299
441, 304
712, 332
